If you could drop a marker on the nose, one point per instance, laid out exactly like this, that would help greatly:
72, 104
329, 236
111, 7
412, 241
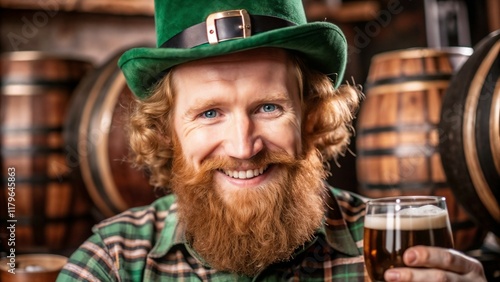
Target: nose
243, 140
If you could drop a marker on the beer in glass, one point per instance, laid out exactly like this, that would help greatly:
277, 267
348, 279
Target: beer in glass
394, 224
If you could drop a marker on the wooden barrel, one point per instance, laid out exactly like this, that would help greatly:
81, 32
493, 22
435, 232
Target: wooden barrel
50, 213
470, 134
96, 137
397, 136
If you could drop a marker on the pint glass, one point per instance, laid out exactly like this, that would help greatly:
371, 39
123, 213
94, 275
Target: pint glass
394, 224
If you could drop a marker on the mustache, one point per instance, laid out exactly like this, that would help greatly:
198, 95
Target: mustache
213, 164
262, 159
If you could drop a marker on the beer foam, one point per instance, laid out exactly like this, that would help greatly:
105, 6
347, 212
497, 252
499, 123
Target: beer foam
421, 218
427, 210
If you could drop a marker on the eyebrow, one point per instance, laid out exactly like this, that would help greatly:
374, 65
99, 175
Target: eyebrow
278, 98
203, 104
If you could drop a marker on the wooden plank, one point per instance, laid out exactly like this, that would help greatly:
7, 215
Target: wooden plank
345, 13
123, 7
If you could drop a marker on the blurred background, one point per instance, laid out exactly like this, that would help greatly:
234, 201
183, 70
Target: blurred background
63, 99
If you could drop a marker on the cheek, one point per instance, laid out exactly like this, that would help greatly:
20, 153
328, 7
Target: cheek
198, 145
287, 136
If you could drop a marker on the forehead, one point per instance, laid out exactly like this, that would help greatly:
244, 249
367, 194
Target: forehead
226, 65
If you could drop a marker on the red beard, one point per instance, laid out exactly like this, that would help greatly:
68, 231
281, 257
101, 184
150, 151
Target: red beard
247, 231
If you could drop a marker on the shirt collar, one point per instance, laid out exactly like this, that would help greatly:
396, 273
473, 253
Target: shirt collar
171, 234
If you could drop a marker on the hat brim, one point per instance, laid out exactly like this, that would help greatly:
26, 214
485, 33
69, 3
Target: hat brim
321, 44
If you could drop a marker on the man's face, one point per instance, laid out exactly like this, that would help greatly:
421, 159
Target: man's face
237, 106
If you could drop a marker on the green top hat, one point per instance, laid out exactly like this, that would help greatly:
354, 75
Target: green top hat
191, 30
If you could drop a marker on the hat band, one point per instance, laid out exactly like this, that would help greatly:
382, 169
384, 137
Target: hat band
226, 28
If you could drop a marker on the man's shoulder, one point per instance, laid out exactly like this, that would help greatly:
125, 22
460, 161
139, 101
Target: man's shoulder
351, 204
348, 199
138, 221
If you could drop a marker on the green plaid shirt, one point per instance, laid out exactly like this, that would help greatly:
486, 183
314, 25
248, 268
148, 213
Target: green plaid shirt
146, 244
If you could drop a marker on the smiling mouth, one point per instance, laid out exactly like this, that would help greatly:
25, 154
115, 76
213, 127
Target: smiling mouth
244, 174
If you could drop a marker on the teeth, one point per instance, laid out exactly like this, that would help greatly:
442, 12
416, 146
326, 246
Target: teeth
245, 174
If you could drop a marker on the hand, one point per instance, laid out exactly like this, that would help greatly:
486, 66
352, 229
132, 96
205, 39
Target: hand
436, 264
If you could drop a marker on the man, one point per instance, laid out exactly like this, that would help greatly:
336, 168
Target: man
236, 115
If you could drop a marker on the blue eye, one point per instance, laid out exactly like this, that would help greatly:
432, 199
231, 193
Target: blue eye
210, 114
269, 107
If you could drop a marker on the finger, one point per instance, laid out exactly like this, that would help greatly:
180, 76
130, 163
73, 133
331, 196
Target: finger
446, 259
422, 274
